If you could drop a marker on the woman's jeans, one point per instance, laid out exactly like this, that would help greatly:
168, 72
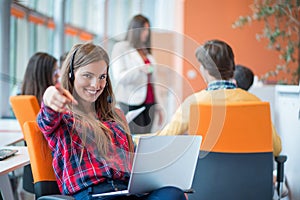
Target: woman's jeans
165, 193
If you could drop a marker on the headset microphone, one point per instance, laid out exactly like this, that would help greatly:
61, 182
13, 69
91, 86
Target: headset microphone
109, 99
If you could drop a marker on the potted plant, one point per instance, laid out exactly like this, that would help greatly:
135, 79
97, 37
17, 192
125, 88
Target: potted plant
281, 20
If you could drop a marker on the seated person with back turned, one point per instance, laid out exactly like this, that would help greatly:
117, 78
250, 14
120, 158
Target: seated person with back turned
217, 68
243, 76
89, 138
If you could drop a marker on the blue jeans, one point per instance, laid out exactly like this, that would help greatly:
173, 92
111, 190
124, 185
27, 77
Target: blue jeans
165, 193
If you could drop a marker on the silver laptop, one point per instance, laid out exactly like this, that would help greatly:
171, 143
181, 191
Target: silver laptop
162, 161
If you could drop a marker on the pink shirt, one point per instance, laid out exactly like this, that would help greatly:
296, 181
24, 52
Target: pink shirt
150, 93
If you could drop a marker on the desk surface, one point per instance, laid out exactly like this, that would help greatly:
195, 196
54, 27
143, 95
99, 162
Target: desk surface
20, 159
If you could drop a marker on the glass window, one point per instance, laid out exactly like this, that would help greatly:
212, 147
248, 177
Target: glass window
22, 47
42, 38
119, 14
45, 7
95, 16
13, 48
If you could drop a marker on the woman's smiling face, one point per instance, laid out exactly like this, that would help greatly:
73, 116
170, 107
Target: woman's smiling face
90, 80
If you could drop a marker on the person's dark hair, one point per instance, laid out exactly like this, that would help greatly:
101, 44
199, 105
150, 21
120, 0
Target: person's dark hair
134, 30
38, 75
244, 77
217, 57
62, 58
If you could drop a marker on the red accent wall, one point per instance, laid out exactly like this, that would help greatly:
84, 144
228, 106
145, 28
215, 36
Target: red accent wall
205, 20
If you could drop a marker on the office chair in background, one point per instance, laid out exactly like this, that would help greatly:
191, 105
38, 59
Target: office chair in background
25, 108
45, 185
236, 156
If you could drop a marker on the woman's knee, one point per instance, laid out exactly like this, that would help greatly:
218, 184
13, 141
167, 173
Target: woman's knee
168, 192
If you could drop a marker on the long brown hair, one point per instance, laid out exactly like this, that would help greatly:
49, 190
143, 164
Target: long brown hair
133, 35
79, 56
38, 75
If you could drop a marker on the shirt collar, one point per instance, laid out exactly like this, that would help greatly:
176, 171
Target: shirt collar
221, 84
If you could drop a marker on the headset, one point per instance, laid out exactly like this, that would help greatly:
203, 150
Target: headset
71, 73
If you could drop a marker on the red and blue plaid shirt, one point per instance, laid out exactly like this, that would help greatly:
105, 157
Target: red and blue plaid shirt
73, 172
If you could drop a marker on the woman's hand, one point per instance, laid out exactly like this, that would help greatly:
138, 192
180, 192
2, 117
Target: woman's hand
160, 116
147, 69
57, 98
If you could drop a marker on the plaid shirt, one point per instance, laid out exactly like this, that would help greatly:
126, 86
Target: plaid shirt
72, 174
221, 84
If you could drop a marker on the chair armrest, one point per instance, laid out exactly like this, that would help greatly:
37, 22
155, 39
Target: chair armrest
280, 173
280, 167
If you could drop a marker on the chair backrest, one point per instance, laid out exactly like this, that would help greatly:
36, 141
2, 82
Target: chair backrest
236, 156
40, 160
25, 108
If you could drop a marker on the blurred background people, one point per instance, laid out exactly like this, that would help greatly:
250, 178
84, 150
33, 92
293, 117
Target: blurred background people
42, 71
62, 58
244, 77
134, 72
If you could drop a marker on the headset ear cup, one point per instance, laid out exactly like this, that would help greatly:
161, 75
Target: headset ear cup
71, 73
71, 76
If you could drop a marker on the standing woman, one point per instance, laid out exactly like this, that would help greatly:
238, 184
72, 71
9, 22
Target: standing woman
134, 73
89, 138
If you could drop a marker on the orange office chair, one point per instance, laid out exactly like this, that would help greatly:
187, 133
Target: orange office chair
41, 163
25, 108
236, 155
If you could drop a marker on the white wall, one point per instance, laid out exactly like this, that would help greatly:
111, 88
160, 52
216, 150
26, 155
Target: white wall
285, 110
287, 123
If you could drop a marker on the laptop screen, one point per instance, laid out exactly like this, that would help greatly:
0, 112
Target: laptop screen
164, 161
161, 161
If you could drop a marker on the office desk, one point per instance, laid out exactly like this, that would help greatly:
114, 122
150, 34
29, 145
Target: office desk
20, 159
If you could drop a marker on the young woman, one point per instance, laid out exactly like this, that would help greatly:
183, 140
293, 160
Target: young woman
91, 143
134, 73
